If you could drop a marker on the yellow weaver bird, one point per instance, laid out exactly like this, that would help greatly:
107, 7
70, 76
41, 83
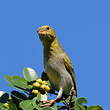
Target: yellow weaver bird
57, 64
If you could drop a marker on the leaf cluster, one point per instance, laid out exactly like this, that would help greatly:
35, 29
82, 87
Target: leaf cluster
25, 99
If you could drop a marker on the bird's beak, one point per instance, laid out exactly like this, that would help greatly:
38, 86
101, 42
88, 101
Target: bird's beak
41, 31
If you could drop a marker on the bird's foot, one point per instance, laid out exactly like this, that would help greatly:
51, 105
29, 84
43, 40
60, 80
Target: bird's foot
72, 92
48, 103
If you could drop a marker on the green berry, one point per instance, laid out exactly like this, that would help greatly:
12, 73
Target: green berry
35, 92
36, 84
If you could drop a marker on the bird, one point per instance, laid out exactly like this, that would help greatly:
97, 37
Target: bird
57, 64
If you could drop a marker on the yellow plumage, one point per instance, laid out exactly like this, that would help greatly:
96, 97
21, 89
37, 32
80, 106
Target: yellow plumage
57, 64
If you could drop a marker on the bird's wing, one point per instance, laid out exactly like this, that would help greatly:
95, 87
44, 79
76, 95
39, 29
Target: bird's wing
69, 68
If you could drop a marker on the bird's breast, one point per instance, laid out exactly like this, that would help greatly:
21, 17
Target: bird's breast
57, 74
53, 74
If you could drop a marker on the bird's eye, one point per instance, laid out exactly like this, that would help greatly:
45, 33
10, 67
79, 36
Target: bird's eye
47, 28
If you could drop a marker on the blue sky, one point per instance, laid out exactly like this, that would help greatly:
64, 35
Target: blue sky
83, 29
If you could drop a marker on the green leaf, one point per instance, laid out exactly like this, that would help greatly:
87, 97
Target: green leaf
55, 107
68, 100
27, 105
48, 108
18, 96
9, 79
18, 82
78, 103
96, 107
36, 105
4, 97
1, 106
79, 107
29, 74
12, 106
38, 97
4, 106
81, 100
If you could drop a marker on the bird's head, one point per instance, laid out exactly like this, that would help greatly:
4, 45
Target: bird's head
46, 34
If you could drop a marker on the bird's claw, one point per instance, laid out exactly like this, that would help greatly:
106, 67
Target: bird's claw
48, 103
